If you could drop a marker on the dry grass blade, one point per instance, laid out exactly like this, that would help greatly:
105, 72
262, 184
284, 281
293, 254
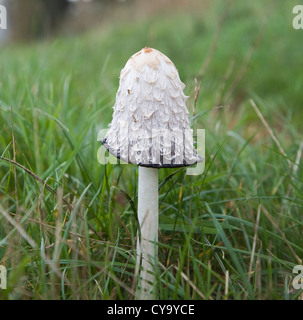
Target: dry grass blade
46, 186
45, 225
99, 288
184, 276
14, 155
36, 178
271, 219
298, 157
295, 167
58, 228
30, 241
18, 227
253, 250
270, 131
197, 91
226, 283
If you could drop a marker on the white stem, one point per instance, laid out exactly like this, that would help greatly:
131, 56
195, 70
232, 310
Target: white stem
148, 216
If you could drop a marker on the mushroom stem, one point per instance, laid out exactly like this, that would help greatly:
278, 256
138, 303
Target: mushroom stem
148, 213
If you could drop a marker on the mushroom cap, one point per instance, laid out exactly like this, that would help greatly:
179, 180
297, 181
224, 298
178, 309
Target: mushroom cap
150, 125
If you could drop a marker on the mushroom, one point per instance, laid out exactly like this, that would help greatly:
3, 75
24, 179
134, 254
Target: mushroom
150, 128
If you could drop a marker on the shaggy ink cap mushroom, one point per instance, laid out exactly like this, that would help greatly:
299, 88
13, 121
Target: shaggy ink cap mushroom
150, 125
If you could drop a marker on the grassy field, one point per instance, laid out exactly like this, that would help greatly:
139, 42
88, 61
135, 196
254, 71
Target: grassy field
68, 224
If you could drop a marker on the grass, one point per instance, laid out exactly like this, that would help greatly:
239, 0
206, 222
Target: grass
68, 225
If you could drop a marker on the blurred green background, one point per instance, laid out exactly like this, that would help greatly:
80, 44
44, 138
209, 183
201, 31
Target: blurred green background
59, 72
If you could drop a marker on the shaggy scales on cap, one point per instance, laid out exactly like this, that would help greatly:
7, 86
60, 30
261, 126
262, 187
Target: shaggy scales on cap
150, 125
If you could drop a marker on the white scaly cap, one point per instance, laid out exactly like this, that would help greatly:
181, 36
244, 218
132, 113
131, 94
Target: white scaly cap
150, 125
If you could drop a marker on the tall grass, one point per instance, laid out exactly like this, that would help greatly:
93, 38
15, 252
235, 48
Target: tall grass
68, 225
